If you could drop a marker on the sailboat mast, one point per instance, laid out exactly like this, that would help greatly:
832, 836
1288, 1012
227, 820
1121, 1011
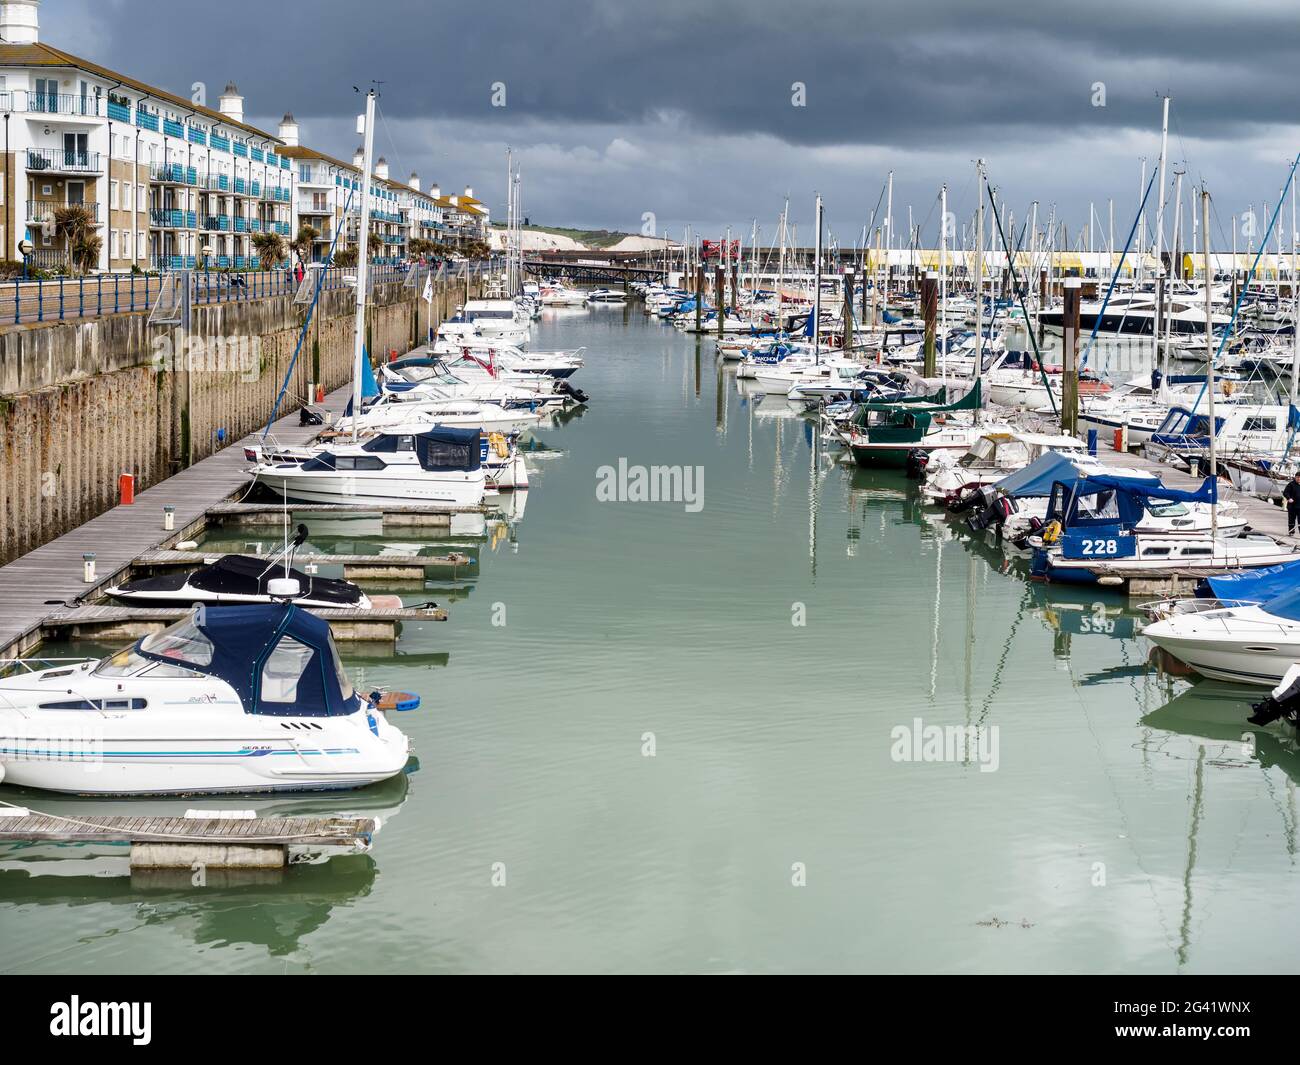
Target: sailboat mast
363, 264
817, 289
943, 278
1295, 302
1209, 356
889, 235
979, 278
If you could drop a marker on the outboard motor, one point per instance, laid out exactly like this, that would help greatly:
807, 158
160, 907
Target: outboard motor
1282, 703
566, 389
995, 514
917, 461
980, 498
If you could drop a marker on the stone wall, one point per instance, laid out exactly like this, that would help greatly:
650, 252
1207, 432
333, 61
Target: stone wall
105, 396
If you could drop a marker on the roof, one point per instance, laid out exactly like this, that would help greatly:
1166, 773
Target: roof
44, 55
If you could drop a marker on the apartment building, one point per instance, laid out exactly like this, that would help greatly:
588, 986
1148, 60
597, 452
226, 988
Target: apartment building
170, 183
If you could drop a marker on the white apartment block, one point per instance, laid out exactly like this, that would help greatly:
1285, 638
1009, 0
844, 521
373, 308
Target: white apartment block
172, 183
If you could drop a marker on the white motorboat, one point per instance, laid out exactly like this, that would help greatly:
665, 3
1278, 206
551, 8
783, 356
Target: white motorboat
437, 465
606, 297
1250, 643
228, 699
995, 454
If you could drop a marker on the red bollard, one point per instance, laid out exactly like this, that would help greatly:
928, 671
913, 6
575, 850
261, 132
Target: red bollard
320, 393
126, 489
392, 354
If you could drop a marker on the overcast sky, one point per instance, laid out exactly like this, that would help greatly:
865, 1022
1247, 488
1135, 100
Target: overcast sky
689, 110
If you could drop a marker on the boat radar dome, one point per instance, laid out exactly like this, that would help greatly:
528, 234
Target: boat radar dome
283, 588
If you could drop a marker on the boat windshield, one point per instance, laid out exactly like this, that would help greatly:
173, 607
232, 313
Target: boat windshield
1171, 508
128, 662
345, 684
182, 642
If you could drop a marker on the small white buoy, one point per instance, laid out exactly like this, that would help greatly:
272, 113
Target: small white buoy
187, 545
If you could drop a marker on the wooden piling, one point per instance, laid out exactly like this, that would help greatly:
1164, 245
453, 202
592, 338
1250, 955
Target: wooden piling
699, 297
720, 293
848, 310
1070, 357
930, 310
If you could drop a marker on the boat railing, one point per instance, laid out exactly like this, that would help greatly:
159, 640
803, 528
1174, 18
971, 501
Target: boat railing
10, 666
1166, 608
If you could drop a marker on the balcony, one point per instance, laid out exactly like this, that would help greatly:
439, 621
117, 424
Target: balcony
61, 161
41, 211
52, 103
167, 218
173, 174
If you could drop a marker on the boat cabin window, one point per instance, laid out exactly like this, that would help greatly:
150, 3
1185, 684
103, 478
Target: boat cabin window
127, 663
182, 642
1100, 507
1155, 552
345, 684
358, 462
284, 669
1260, 425
1165, 508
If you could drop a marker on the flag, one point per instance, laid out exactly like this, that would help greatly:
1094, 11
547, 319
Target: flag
428, 288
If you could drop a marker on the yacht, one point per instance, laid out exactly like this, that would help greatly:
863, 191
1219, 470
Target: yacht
229, 699
434, 465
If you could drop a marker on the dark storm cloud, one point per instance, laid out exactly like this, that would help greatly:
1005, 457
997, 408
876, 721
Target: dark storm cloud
1008, 79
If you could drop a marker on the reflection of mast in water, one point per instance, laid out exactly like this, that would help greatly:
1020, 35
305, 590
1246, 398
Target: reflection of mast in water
970, 628
1198, 800
777, 469
748, 404
934, 636
813, 484
720, 406
697, 367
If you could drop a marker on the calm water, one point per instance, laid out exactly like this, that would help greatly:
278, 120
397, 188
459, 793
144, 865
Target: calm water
1126, 828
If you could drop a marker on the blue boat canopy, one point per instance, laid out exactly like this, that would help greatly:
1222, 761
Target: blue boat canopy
280, 659
1254, 585
1110, 500
1037, 478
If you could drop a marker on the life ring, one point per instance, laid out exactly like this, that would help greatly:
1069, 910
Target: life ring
1052, 532
497, 442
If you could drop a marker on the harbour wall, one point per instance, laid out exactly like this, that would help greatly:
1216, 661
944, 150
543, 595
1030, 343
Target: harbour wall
82, 402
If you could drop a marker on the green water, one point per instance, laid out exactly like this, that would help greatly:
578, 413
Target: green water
1126, 827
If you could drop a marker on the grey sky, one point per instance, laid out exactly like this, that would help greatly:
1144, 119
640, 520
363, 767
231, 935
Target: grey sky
684, 109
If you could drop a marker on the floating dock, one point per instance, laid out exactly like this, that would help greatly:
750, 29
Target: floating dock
217, 842
426, 515
399, 568
379, 625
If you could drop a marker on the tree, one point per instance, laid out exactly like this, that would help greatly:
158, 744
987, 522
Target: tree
270, 249
345, 257
303, 242
75, 223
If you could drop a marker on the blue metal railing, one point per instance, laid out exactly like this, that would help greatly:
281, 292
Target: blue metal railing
62, 298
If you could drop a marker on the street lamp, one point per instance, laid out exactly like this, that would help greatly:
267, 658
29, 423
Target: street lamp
25, 248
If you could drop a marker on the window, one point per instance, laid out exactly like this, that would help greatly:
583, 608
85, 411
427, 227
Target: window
127, 252
112, 195
141, 191
112, 244
184, 642
283, 670
358, 462
345, 684
1259, 425
140, 243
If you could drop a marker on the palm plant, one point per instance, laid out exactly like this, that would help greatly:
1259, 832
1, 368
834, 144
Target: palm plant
270, 249
303, 242
75, 223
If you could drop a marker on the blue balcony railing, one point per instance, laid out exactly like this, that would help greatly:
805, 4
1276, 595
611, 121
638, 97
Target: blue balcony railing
172, 128
119, 112
146, 119
196, 135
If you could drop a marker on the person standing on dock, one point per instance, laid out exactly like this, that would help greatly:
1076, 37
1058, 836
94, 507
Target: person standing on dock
1291, 493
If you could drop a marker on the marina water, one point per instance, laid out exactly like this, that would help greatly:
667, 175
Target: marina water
805, 726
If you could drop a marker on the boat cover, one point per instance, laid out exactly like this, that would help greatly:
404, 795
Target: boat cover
1255, 585
280, 659
448, 449
1037, 478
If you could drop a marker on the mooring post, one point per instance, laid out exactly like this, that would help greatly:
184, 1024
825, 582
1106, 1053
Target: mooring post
720, 291
699, 296
1070, 358
930, 310
1042, 304
848, 311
